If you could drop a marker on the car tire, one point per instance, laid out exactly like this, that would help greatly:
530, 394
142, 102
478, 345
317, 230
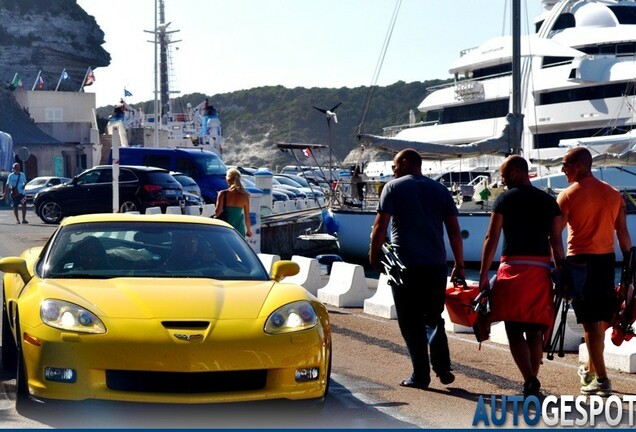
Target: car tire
23, 401
129, 206
50, 212
9, 357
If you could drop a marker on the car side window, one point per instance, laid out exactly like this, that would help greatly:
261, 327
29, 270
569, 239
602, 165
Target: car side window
55, 182
90, 177
127, 176
106, 176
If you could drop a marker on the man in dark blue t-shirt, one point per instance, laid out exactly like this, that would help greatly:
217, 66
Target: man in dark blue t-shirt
420, 208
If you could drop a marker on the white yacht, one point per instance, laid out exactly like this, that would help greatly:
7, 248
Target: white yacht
577, 88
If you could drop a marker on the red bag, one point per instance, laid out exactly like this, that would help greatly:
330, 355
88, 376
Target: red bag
459, 298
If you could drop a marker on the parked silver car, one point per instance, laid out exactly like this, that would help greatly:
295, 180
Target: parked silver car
39, 183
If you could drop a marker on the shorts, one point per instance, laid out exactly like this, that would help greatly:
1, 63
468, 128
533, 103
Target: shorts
599, 302
18, 200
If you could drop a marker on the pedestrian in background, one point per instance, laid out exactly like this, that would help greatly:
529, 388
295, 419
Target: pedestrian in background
594, 212
15, 184
420, 208
235, 202
522, 295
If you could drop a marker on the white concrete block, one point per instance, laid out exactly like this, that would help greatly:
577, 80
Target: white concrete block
290, 206
498, 333
153, 210
193, 211
622, 358
173, 210
208, 210
382, 303
268, 261
309, 276
279, 207
572, 338
347, 286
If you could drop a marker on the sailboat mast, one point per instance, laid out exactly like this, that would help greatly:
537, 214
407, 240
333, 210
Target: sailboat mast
163, 61
515, 145
156, 70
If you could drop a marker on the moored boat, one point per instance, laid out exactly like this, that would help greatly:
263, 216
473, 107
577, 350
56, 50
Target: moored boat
577, 88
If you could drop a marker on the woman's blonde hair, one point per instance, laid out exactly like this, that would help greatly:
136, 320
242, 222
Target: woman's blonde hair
233, 178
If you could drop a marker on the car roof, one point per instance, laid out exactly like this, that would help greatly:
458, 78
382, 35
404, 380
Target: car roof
133, 167
139, 218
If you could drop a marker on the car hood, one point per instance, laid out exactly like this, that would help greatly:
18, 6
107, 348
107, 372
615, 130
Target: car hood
169, 298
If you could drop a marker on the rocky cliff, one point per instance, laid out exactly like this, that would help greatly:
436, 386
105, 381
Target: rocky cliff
49, 36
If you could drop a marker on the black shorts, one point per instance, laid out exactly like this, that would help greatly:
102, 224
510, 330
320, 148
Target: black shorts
17, 201
599, 302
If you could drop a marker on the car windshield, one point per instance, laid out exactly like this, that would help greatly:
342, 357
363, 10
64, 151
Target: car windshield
149, 249
37, 182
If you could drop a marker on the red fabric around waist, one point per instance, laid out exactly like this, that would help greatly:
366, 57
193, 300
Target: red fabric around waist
523, 291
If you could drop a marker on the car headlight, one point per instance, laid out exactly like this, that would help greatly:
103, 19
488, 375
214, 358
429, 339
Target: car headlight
293, 317
68, 316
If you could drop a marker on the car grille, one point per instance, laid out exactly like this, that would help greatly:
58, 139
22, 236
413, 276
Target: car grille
186, 382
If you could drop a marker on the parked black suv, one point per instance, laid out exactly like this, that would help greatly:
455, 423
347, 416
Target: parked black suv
92, 192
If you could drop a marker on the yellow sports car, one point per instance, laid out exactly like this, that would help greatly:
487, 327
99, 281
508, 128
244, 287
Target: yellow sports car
159, 308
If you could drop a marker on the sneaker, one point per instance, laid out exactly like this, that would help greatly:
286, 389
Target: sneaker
24, 221
585, 375
531, 388
599, 388
446, 378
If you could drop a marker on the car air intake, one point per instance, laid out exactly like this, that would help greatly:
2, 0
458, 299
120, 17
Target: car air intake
182, 325
186, 382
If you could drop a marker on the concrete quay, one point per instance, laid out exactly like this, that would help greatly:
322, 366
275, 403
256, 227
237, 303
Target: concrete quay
348, 287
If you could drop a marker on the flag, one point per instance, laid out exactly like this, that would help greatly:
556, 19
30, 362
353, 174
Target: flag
90, 78
40, 83
65, 75
127, 93
307, 152
16, 82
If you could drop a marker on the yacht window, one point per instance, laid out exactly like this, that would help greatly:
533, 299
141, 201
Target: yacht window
624, 14
552, 139
493, 71
476, 111
564, 21
555, 61
587, 93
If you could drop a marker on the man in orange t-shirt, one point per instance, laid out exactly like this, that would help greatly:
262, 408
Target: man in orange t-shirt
593, 211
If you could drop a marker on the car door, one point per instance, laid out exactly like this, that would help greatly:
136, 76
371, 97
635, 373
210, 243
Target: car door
91, 192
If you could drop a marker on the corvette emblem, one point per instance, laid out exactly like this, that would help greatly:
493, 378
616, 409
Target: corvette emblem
188, 338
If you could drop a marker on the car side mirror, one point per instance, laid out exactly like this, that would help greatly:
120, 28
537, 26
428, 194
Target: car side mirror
17, 266
284, 268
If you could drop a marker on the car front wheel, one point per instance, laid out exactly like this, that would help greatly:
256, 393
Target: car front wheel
128, 206
50, 212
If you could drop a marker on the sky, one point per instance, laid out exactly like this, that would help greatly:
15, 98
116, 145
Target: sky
230, 45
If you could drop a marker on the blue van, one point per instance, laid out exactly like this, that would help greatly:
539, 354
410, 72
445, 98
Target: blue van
204, 166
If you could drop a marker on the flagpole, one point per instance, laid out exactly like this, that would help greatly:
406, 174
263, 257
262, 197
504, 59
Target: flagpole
84, 80
60, 80
36, 80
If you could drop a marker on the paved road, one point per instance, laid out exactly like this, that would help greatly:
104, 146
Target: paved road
369, 360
